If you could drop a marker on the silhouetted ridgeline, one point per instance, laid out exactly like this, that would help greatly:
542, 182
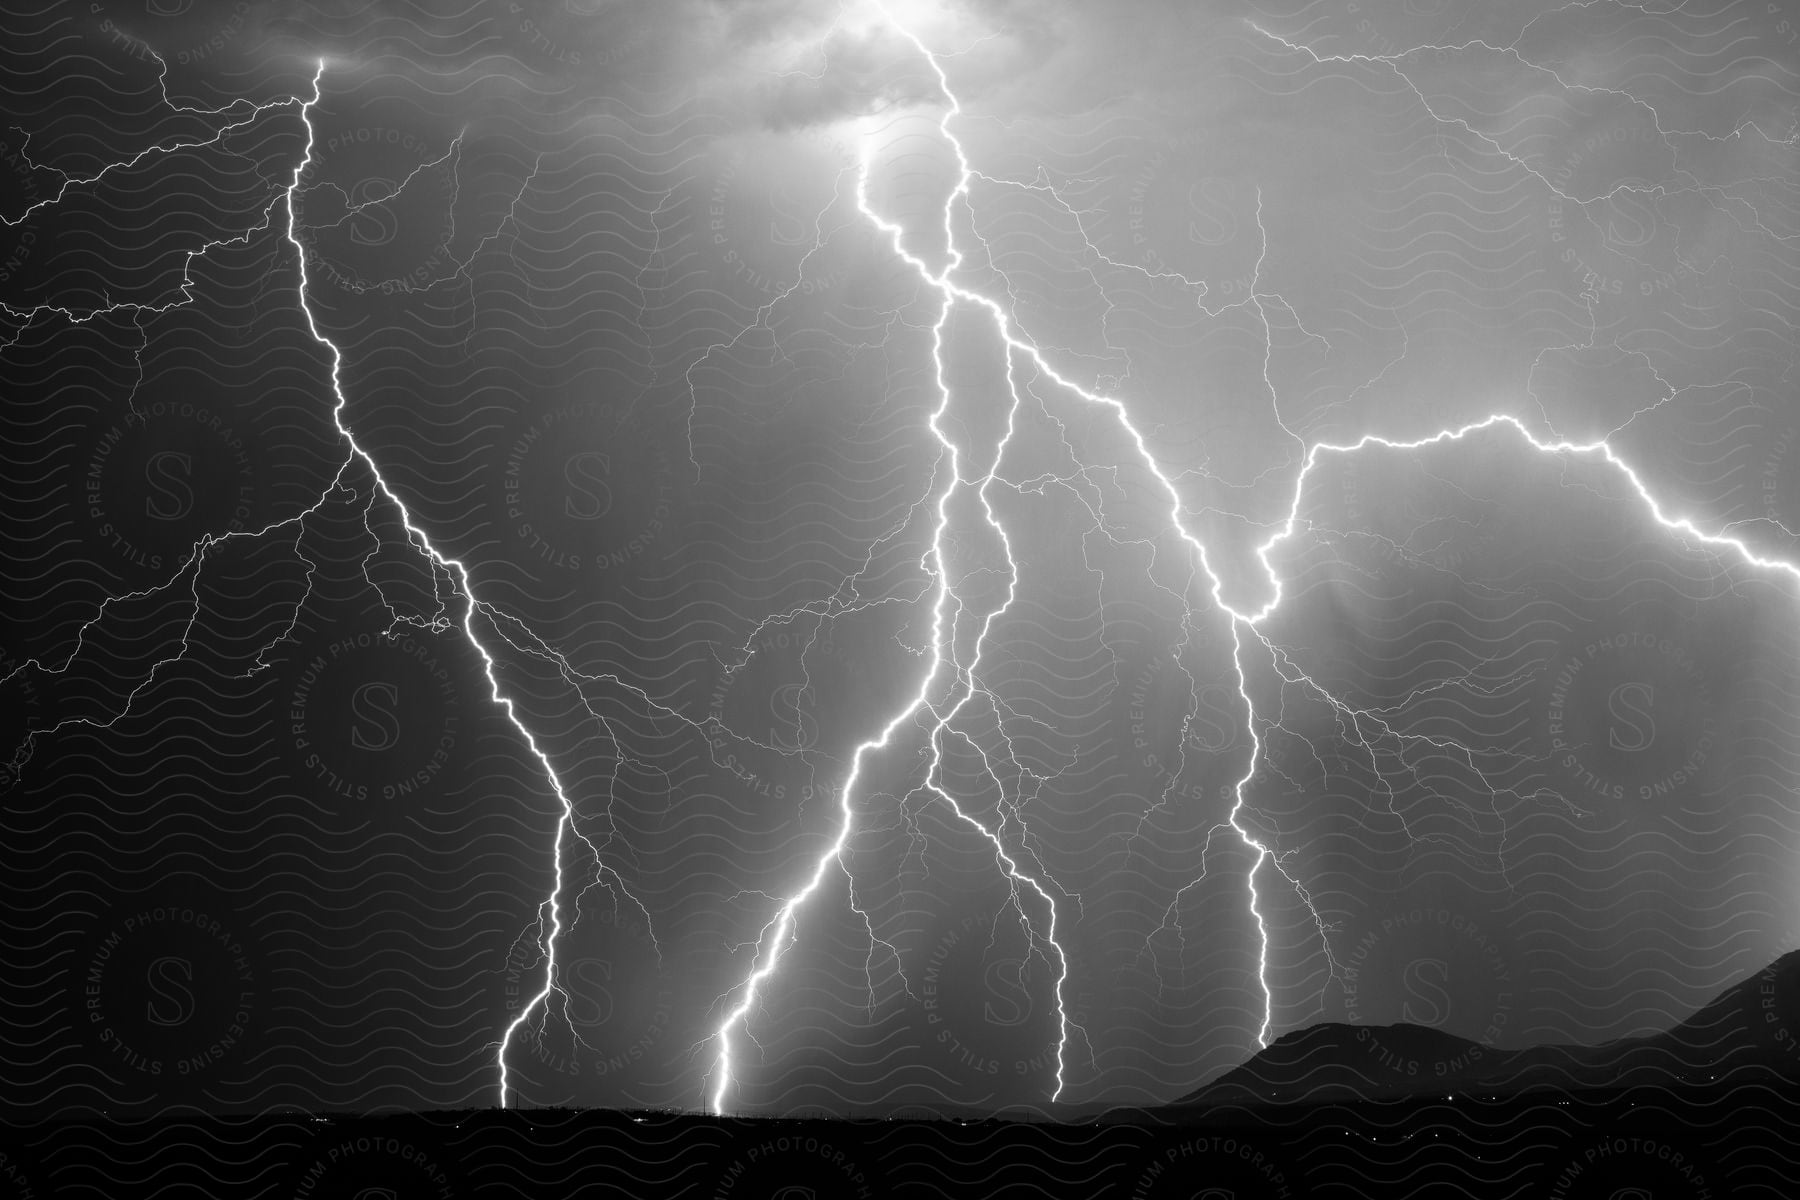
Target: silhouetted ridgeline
1709, 1109
1749, 1033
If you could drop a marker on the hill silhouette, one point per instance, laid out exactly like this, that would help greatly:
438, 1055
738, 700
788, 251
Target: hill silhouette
1750, 1030
1708, 1108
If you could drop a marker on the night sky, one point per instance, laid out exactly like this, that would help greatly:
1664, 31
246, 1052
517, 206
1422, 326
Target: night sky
636, 314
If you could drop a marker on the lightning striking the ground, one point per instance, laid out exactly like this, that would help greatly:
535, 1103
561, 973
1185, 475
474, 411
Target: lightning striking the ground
566, 823
779, 933
550, 920
952, 678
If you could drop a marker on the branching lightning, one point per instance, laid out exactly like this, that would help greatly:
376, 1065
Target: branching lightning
1032, 896
779, 933
550, 921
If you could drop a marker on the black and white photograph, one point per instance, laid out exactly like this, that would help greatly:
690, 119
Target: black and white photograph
821, 599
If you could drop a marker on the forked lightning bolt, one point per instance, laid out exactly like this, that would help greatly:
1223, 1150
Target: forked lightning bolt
550, 923
780, 932
947, 607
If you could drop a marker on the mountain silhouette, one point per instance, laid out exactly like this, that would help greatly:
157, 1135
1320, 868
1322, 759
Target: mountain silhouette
1750, 1030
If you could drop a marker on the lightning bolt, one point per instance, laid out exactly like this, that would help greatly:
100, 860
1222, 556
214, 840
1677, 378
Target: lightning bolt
566, 824
779, 933
550, 923
1027, 890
